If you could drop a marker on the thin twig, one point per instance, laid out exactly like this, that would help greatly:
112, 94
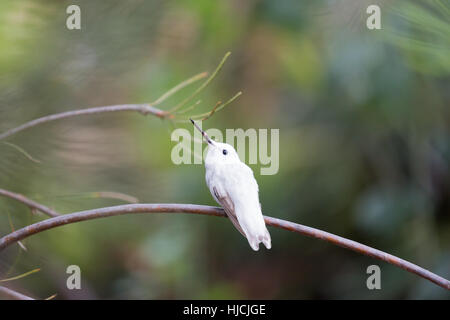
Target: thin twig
94, 194
212, 111
191, 107
20, 276
21, 150
11, 225
219, 106
115, 195
180, 86
13, 294
203, 85
53, 296
30, 203
215, 211
142, 108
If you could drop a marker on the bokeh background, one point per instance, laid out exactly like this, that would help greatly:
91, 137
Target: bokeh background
364, 144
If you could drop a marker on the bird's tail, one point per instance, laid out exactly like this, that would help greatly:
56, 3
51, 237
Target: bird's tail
255, 240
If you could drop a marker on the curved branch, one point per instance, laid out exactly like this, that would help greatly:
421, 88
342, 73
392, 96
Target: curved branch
142, 108
13, 294
215, 211
30, 203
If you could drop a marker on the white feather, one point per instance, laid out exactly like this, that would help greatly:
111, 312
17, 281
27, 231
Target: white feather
233, 186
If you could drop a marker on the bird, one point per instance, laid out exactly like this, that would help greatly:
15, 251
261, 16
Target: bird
233, 186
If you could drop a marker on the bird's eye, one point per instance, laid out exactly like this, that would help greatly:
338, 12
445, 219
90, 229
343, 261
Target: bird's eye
224, 152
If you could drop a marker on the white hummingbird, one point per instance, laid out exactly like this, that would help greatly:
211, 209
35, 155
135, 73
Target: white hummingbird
234, 187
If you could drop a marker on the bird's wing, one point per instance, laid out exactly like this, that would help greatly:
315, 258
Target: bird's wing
228, 206
234, 187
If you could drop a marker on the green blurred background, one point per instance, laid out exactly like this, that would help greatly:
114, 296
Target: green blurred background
364, 144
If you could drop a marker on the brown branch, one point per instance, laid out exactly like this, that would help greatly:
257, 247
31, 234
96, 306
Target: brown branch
219, 106
214, 211
6, 292
212, 111
141, 108
33, 205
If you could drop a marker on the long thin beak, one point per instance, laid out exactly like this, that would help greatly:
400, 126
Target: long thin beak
203, 133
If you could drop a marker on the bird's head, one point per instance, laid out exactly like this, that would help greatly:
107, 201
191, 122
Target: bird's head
218, 153
221, 153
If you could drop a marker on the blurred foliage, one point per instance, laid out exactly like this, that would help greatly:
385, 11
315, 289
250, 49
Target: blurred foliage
422, 32
364, 144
